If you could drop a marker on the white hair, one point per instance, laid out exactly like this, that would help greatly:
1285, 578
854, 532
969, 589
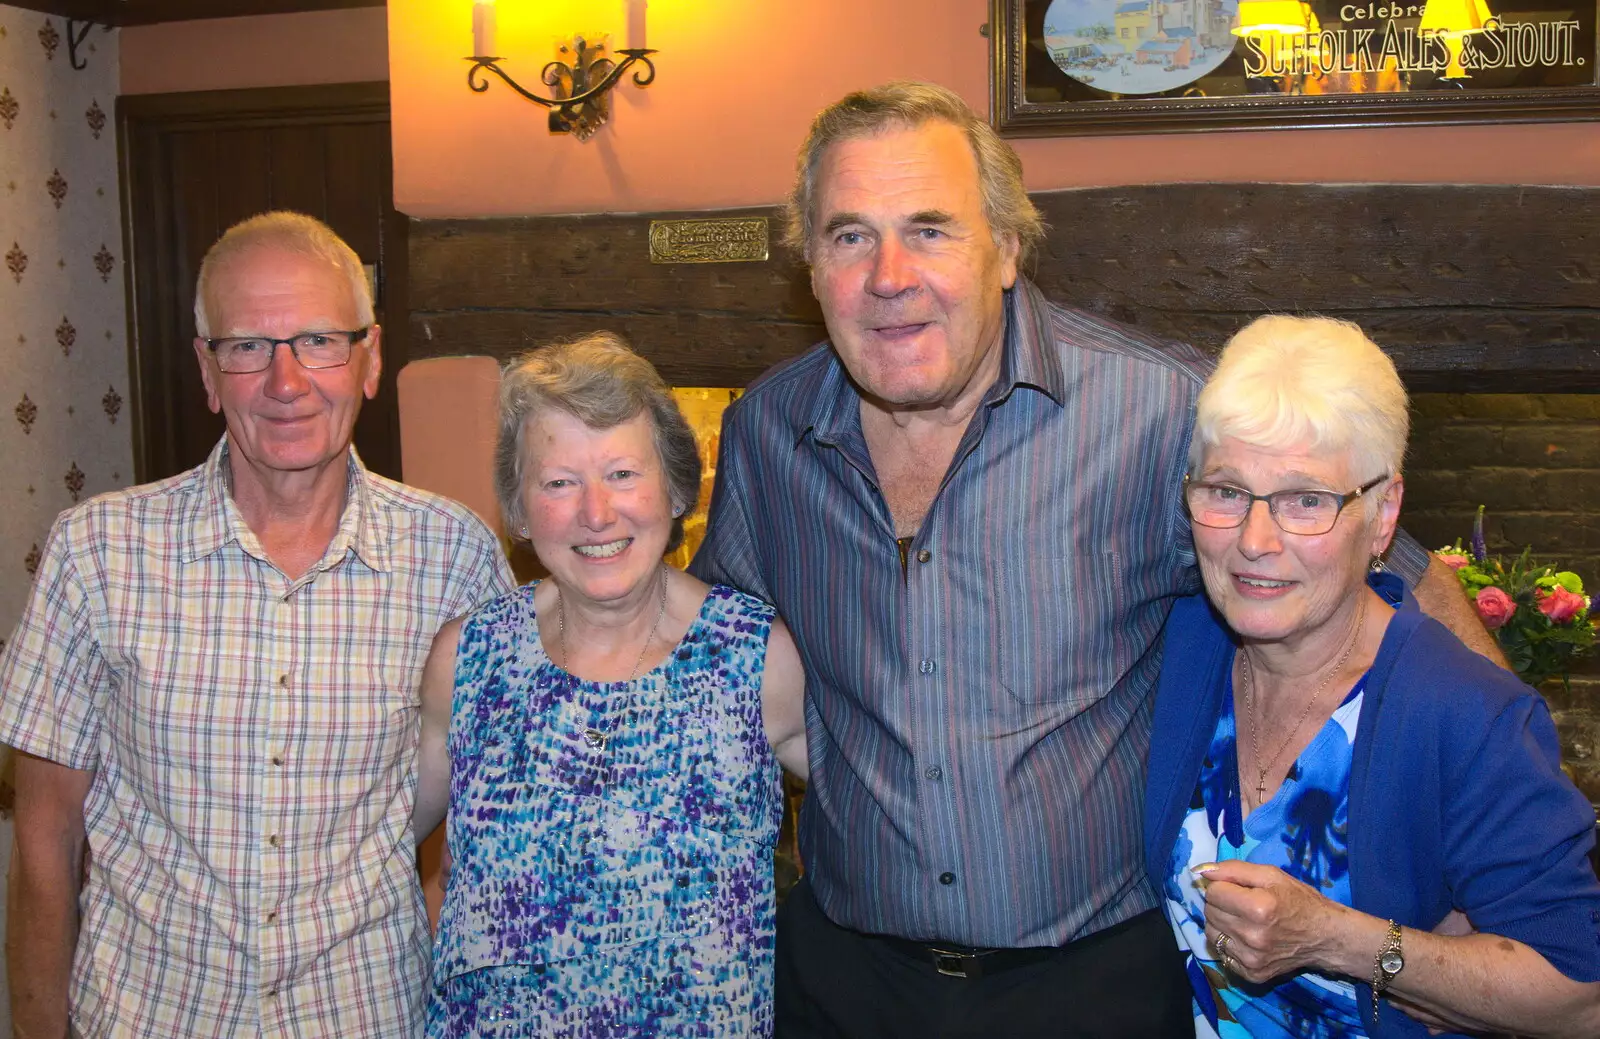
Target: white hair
1306, 380
281, 229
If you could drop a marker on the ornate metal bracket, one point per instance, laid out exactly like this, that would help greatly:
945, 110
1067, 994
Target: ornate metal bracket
579, 104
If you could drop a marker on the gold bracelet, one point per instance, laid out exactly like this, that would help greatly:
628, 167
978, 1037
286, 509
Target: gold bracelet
1389, 962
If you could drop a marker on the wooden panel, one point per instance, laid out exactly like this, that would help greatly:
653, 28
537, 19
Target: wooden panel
353, 187
297, 164
192, 428
689, 349
249, 161
593, 262
1488, 289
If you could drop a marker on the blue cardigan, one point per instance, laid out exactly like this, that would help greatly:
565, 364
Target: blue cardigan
1457, 798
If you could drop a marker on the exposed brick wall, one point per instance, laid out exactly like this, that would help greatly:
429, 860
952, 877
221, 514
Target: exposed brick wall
1534, 461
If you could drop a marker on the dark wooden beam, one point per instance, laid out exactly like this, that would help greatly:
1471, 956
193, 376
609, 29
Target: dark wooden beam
146, 12
1470, 289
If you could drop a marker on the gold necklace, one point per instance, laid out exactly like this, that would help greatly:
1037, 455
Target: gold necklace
596, 738
1250, 702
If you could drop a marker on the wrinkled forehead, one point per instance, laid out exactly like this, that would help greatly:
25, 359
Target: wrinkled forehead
936, 148
279, 286
1264, 462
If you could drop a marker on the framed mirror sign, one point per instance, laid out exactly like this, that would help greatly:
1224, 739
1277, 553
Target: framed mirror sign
1148, 66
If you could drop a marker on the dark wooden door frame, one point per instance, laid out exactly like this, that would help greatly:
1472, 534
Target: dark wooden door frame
142, 122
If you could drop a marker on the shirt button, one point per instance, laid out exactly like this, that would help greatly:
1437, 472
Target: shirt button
272, 917
947, 879
926, 667
924, 556
934, 773
283, 680
272, 993
277, 759
274, 840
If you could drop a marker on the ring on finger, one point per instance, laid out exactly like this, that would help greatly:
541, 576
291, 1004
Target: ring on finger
1222, 943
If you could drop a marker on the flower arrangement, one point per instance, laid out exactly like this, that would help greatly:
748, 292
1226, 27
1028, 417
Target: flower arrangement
1539, 614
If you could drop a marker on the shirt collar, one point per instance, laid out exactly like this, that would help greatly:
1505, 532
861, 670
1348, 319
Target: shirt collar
363, 528
1027, 358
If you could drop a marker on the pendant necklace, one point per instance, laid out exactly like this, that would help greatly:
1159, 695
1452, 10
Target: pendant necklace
1250, 703
596, 738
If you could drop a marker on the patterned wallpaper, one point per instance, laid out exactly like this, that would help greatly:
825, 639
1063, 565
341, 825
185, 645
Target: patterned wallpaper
64, 421
64, 418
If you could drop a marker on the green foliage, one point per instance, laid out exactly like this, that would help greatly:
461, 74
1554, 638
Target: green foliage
1547, 621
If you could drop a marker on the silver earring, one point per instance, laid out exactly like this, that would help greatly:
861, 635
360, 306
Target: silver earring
677, 511
524, 533
1377, 566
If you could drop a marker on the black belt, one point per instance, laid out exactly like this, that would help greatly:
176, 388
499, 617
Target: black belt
962, 961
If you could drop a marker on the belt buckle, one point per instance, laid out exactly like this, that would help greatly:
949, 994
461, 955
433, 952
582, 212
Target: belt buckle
954, 964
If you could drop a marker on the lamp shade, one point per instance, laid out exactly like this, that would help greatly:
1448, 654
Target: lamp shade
1455, 17
1267, 17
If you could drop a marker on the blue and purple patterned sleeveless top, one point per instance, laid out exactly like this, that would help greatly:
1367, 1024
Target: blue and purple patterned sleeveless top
624, 889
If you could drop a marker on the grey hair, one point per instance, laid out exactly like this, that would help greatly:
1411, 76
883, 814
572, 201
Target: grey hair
1313, 380
293, 232
601, 382
910, 104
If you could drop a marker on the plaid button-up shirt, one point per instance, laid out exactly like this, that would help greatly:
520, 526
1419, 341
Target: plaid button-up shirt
251, 860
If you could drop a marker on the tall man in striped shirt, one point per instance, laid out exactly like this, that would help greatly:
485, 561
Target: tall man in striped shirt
215, 682
966, 506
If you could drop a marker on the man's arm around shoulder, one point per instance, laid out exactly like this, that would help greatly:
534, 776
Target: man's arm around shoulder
46, 869
1440, 596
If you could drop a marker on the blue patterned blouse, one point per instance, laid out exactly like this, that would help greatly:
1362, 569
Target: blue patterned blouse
619, 890
1300, 830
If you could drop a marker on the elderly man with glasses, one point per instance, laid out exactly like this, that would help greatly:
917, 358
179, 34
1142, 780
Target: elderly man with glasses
214, 687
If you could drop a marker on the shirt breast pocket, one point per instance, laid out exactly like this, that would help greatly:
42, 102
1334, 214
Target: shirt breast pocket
1057, 632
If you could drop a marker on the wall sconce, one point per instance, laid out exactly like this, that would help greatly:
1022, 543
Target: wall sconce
579, 80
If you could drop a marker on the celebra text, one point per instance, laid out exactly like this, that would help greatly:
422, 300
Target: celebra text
1502, 44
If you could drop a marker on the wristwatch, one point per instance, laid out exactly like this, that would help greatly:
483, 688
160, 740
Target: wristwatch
1389, 962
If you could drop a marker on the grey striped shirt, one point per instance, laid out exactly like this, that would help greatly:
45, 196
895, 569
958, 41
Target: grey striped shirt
977, 728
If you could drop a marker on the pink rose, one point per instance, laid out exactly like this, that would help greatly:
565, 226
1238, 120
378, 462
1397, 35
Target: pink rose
1559, 604
1454, 560
1494, 606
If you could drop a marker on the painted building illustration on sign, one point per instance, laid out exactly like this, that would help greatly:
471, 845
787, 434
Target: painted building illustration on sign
1139, 46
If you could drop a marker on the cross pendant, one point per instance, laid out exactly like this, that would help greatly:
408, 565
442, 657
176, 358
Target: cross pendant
1261, 785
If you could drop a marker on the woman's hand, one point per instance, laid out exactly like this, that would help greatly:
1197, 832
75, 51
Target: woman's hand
1264, 923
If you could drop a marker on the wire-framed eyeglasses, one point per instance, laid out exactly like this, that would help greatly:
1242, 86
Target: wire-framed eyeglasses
1306, 512
241, 355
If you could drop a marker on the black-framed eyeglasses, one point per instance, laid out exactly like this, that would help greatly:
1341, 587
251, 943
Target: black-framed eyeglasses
1306, 512
241, 355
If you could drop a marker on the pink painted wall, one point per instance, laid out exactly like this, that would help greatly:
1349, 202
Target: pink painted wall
738, 82
268, 51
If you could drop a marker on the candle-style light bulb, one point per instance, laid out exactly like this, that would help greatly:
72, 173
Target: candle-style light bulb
636, 20
483, 29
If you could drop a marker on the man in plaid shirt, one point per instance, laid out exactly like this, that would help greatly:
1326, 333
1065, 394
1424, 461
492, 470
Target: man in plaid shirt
214, 686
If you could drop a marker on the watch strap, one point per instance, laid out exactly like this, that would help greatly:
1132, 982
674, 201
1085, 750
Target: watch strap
1381, 977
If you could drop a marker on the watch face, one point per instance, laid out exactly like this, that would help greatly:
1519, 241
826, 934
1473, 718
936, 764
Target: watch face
1392, 962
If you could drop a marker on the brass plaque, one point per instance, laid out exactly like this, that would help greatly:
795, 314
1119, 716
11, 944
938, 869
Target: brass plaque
708, 241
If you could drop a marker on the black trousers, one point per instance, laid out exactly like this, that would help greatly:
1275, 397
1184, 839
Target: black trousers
1127, 982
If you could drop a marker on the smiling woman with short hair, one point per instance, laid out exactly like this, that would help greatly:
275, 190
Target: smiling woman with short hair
1359, 826
607, 740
